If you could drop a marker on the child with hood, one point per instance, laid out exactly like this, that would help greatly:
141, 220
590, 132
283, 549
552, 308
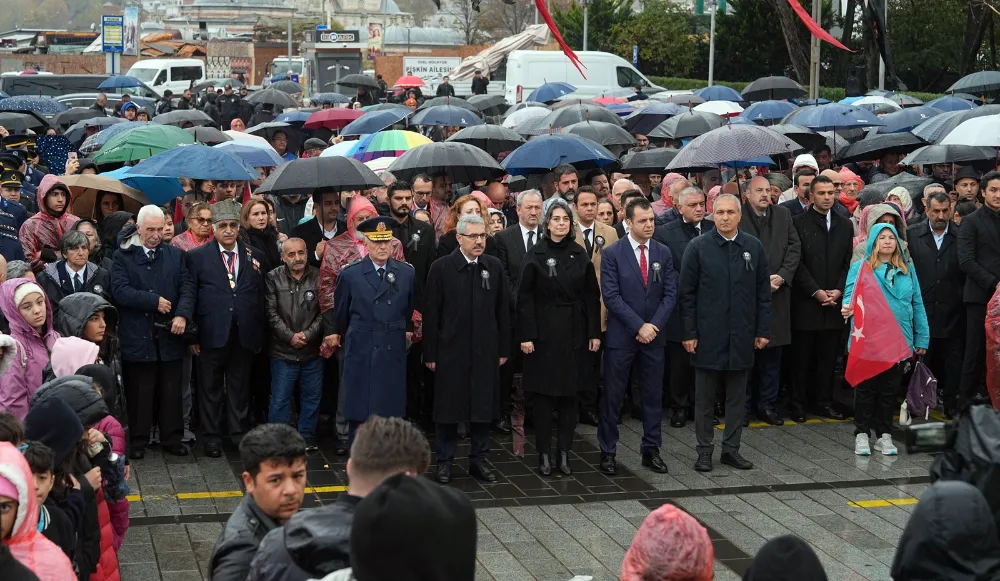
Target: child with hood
27, 309
41, 233
52, 521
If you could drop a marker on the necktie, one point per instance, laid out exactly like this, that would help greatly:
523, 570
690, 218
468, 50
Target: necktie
231, 267
586, 240
77, 283
698, 228
152, 254
381, 274
531, 240
643, 266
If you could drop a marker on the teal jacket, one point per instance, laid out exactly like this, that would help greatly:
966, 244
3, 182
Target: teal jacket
902, 292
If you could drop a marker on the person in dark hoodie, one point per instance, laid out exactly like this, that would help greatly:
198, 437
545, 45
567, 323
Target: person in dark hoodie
316, 542
52, 521
951, 535
785, 558
111, 226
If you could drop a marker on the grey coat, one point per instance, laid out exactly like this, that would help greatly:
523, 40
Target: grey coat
783, 249
237, 543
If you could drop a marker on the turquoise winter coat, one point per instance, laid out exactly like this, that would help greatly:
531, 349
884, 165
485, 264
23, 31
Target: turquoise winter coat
901, 290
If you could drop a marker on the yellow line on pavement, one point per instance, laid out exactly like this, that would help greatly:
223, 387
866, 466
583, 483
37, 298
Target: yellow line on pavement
883, 503
224, 494
788, 422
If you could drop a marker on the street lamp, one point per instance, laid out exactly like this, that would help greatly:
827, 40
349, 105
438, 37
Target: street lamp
585, 18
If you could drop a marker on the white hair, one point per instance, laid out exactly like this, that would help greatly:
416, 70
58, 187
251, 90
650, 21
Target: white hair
149, 211
468, 220
631, 184
525, 194
732, 198
688, 191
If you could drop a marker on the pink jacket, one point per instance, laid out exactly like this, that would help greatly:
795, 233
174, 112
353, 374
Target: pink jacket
111, 428
31, 356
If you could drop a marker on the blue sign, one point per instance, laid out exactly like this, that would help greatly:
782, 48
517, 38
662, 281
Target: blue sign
635, 55
113, 33
294, 77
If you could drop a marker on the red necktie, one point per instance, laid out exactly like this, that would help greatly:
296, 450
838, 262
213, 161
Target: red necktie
643, 267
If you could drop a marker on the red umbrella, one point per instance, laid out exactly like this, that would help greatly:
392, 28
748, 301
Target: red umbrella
409, 82
332, 118
610, 100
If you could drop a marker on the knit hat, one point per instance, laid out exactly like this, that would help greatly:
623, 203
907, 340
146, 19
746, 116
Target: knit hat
806, 160
778, 180
904, 197
226, 210
7, 488
670, 544
25, 290
785, 558
53, 423
429, 530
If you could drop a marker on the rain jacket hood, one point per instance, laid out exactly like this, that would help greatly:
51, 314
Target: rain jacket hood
77, 308
951, 535
30, 547
785, 558
78, 392
19, 383
44, 230
870, 215
72, 353
49, 182
111, 226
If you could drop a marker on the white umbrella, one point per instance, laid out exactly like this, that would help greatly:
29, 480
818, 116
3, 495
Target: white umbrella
723, 108
522, 115
876, 100
977, 132
380, 164
339, 149
242, 136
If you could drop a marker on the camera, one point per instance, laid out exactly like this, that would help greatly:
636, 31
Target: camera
930, 437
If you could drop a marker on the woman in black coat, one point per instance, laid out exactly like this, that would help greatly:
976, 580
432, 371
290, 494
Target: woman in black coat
255, 218
558, 321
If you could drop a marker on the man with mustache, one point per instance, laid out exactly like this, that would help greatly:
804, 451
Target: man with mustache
292, 301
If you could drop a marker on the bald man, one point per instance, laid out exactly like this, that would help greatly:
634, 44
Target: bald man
621, 186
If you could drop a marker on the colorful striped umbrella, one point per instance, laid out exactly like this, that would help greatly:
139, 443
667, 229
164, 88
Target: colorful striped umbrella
386, 144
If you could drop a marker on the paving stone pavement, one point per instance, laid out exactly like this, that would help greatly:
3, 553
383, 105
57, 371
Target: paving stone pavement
805, 479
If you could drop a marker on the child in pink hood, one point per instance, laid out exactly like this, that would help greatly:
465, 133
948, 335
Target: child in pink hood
29, 313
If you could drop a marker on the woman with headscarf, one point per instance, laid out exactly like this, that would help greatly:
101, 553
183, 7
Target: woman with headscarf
107, 203
670, 545
29, 315
497, 222
467, 204
93, 233
878, 214
199, 228
710, 198
237, 125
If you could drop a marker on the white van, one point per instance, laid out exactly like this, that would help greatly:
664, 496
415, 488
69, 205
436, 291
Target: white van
173, 74
529, 69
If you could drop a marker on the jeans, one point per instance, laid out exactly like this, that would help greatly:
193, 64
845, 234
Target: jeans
284, 377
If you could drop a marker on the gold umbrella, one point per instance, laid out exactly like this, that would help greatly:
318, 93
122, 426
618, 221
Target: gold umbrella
84, 189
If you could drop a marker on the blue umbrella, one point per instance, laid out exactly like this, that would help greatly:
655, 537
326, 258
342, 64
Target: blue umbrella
949, 103
551, 92
95, 142
251, 155
719, 93
849, 100
832, 116
76, 131
621, 109
334, 98
907, 119
54, 151
739, 121
197, 161
446, 116
293, 118
644, 120
768, 112
120, 82
280, 77
43, 105
375, 121
756, 162
548, 151
158, 190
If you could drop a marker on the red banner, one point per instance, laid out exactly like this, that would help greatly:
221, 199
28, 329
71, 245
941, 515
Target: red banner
814, 28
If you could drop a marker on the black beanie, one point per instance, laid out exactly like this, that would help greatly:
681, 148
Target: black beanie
55, 424
785, 558
411, 529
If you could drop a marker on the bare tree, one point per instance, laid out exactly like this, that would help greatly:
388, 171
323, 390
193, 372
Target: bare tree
511, 19
466, 20
798, 47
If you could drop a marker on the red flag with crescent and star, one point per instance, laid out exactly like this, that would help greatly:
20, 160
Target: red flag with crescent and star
877, 342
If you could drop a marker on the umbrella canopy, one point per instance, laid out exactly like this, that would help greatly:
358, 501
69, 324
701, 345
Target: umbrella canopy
85, 187
768, 112
951, 103
977, 83
768, 88
252, 154
904, 100
332, 118
77, 131
913, 184
40, 105
524, 105
978, 132
446, 116
730, 144
198, 162
120, 82
832, 116
610, 101
567, 116
492, 139
873, 101
75, 115
723, 108
877, 93
180, 117
464, 163
332, 98
536, 126
409, 82
643, 120
931, 154
621, 109
380, 165
653, 160
273, 96
246, 137
876, 145
452, 101
488, 103
543, 153
339, 149
687, 126
737, 120
14, 121
142, 142
158, 190
208, 135
372, 122
551, 92
933, 132
835, 141
521, 115
290, 87
907, 119
384, 107
570, 102
216, 83
355, 81
305, 176
719, 93
96, 141
296, 118
607, 134
54, 151
385, 144
689, 99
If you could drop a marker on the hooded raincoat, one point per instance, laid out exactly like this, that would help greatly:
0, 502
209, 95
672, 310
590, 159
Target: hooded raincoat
869, 217
31, 353
30, 547
44, 230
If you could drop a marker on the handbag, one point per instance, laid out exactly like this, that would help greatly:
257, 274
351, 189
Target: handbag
921, 394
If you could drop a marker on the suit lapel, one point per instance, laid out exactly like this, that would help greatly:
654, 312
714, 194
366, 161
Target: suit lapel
370, 274
631, 257
383, 286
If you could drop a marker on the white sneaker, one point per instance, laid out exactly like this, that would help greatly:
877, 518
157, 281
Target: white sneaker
885, 445
861, 447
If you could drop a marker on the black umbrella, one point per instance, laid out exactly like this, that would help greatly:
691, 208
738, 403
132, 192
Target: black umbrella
644, 120
385, 106
768, 88
807, 138
305, 176
960, 117
208, 135
354, 81
977, 83
913, 184
732, 143
494, 104
607, 134
273, 97
688, 99
653, 160
453, 101
20, 120
535, 126
267, 131
75, 115
290, 87
180, 117
566, 116
217, 83
492, 139
932, 154
464, 163
687, 126
835, 141
570, 102
876, 145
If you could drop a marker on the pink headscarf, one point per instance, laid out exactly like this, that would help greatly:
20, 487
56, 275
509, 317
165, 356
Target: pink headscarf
848, 175
482, 198
668, 180
358, 204
233, 125
670, 544
711, 197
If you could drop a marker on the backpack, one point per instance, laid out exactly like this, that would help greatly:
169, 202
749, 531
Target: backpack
921, 395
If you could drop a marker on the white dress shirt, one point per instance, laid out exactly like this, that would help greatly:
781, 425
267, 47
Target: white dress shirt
735, 234
635, 249
524, 236
236, 260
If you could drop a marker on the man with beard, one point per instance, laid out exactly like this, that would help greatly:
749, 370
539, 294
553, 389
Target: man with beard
598, 180
888, 166
467, 338
324, 225
967, 184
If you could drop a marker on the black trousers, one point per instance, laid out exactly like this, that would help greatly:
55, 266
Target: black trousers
974, 361
507, 372
875, 402
590, 380
260, 388
543, 407
447, 439
153, 390
223, 397
815, 354
944, 358
680, 389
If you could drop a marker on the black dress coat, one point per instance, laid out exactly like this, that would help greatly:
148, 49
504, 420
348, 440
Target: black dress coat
781, 244
979, 255
560, 314
466, 332
676, 235
510, 251
448, 243
941, 279
826, 258
219, 306
417, 237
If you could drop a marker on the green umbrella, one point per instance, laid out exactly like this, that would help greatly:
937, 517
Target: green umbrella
142, 142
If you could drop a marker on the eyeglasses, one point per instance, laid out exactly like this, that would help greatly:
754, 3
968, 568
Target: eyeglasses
474, 236
201, 220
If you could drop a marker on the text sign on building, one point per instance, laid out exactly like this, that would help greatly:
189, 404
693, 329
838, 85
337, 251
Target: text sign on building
429, 68
331, 36
113, 33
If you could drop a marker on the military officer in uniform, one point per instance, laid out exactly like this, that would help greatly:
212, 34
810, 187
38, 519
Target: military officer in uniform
373, 305
12, 215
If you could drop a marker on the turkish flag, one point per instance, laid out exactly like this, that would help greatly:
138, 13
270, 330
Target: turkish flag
877, 342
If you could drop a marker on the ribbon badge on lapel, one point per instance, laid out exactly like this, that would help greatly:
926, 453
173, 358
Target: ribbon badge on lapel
552, 266
391, 278
656, 271
486, 278
746, 259
414, 240
599, 242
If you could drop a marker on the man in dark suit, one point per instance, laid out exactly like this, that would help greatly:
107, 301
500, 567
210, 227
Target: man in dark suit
639, 284
229, 288
934, 250
325, 224
512, 244
817, 326
627, 196
979, 257
675, 235
801, 182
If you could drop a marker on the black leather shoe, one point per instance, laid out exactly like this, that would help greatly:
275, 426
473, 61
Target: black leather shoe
651, 459
608, 465
746, 421
736, 461
178, 450
544, 465
342, 448
771, 417
590, 418
715, 420
720, 412
831, 413
480, 471
704, 462
137, 454
502, 426
443, 473
563, 464
798, 416
213, 450
678, 419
